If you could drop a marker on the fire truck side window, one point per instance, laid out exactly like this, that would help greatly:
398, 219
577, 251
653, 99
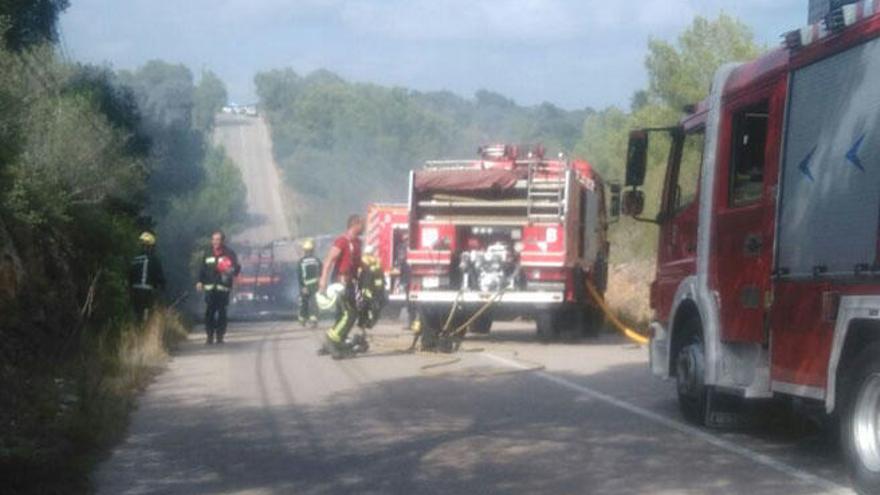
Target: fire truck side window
689, 170
747, 165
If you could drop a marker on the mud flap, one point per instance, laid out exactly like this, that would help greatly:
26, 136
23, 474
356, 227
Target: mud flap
728, 412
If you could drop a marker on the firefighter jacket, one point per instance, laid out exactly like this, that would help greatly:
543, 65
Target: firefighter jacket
219, 270
372, 279
145, 272
309, 271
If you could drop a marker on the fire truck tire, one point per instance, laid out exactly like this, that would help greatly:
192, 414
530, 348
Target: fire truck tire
593, 323
547, 326
481, 326
430, 329
690, 366
860, 419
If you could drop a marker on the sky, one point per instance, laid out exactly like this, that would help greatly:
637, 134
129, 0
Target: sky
572, 53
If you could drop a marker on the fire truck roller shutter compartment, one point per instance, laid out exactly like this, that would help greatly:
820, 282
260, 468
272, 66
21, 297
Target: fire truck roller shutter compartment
830, 198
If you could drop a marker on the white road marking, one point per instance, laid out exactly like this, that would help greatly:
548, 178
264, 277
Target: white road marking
731, 447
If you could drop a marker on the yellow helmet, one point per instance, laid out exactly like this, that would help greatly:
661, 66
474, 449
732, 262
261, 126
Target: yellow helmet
147, 239
308, 244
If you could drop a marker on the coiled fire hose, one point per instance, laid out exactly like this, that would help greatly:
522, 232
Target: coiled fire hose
621, 327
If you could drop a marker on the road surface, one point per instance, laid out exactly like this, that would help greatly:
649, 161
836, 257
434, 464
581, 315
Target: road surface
248, 142
264, 414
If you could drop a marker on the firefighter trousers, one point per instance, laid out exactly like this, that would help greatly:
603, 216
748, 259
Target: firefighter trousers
142, 302
346, 317
215, 313
371, 308
308, 306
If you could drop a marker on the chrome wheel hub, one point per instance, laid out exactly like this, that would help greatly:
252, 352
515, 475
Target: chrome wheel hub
689, 371
866, 423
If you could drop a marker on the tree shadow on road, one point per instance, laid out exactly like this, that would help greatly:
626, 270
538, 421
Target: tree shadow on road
505, 433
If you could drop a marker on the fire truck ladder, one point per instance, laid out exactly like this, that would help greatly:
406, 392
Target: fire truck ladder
546, 195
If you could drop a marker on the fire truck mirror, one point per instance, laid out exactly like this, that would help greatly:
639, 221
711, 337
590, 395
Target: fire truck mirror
636, 158
633, 203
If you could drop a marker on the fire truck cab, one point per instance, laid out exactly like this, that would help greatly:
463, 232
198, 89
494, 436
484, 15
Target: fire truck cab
768, 266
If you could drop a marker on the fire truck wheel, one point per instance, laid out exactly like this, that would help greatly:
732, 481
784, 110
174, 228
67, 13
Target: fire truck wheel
546, 322
430, 324
690, 365
860, 419
482, 325
593, 323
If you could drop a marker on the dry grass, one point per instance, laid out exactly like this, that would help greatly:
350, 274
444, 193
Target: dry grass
143, 350
628, 291
69, 413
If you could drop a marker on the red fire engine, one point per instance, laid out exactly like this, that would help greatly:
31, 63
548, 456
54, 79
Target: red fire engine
767, 266
509, 234
266, 275
387, 234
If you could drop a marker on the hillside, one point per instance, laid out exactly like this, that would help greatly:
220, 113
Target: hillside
342, 145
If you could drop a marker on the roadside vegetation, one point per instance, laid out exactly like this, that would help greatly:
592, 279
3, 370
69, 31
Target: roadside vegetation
89, 158
348, 144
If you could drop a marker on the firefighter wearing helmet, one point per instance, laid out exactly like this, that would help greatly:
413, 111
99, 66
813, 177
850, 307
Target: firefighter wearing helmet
309, 274
371, 289
219, 269
145, 277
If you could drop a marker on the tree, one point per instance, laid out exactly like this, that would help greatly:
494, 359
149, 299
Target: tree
25, 23
681, 74
678, 74
355, 143
165, 94
210, 97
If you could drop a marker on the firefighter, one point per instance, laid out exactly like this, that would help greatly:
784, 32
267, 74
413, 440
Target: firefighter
308, 273
145, 277
371, 288
219, 269
342, 264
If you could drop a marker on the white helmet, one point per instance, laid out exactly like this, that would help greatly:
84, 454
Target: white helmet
327, 300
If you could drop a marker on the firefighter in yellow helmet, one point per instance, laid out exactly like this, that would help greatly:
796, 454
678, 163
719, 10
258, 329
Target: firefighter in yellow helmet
308, 274
371, 287
145, 277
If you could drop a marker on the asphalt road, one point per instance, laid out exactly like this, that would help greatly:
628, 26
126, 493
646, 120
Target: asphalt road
264, 414
248, 142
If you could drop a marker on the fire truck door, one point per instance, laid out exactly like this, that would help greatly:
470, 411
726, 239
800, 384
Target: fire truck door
743, 241
677, 252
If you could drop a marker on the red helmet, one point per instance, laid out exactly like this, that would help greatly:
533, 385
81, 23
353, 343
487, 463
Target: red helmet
224, 264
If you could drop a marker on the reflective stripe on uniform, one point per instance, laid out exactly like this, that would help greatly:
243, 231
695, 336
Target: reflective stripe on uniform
211, 259
142, 286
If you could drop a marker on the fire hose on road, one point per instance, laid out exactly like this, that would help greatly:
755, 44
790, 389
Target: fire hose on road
458, 332
621, 327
